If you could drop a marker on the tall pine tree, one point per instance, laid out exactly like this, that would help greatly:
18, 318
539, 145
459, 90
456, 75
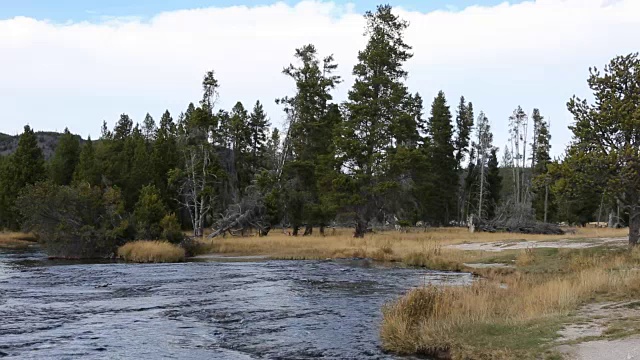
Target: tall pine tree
443, 162
380, 116
310, 134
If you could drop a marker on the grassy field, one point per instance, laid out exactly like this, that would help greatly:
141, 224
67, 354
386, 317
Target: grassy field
151, 252
418, 248
16, 240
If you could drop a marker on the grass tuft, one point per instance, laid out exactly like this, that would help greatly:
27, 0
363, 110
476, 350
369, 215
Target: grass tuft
151, 252
16, 240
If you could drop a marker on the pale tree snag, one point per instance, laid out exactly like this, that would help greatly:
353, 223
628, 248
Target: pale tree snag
195, 193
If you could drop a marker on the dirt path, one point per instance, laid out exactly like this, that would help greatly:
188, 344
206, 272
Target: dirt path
566, 244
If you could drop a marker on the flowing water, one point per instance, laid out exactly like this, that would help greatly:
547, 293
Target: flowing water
222, 309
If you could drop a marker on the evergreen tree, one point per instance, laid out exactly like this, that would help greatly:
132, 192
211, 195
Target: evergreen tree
141, 169
165, 156
149, 128
311, 125
87, 170
464, 125
24, 167
65, 159
542, 197
494, 184
443, 162
149, 213
380, 116
483, 150
240, 137
258, 127
273, 150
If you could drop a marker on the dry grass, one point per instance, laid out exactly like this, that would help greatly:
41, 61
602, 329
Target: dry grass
485, 320
16, 240
421, 248
151, 252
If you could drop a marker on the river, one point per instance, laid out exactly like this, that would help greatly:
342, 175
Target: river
206, 309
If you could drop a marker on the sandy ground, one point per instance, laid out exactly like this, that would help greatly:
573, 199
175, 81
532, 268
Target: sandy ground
568, 244
600, 316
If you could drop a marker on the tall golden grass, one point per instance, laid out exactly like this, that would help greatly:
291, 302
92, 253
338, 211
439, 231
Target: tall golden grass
16, 240
440, 321
421, 248
151, 252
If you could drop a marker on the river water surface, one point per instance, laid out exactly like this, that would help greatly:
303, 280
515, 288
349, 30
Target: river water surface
222, 309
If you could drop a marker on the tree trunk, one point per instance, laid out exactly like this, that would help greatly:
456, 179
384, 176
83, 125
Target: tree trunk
322, 230
361, 229
634, 226
308, 230
295, 230
546, 203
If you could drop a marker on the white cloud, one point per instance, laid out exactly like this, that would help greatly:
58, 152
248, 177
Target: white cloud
535, 54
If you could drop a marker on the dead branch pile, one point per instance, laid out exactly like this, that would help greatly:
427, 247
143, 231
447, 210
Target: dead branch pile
239, 219
516, 218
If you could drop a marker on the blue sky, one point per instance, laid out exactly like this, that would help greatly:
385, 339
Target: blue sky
80, 10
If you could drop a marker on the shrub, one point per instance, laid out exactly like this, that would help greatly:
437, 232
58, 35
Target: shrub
151, 252
171, 229
149, 213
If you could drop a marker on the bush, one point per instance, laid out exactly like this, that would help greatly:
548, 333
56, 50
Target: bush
151, 252
149, 213
171, 229
192, 247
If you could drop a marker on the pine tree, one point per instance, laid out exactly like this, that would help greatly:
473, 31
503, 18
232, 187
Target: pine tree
65, 159
309, 139
87, 170
240, 140
165, 156
484, 146
464, 125
494, 184
273, 150
443, 162
258, 127
149, 212
24, 167
380, 116
542, 197
139, 165
149, 128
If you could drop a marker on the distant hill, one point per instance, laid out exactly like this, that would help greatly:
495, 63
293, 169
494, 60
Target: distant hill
47, 141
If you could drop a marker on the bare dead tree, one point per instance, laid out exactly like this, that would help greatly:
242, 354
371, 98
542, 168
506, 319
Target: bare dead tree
195, 190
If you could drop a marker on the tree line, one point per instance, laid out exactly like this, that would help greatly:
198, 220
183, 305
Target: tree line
377, 158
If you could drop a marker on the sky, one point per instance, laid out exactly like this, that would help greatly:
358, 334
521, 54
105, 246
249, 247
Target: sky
74, 64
